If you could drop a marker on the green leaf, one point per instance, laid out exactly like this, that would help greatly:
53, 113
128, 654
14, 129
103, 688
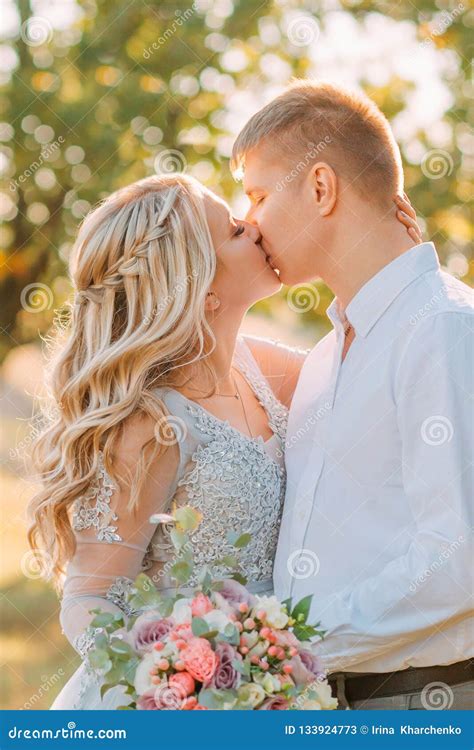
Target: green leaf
243, 540
198, 626
304, 632
229, 561
238, 540
239, 578
302, 608
120, 647
215, 699
102, 620
187, 518
230, 635
181, 571
241, 666
287, 604
179, 539
204, 579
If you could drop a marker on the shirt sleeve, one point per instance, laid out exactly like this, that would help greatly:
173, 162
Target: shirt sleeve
111, 539
431, 585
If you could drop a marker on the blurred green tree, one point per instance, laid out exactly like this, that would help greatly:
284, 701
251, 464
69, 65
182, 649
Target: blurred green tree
124, 89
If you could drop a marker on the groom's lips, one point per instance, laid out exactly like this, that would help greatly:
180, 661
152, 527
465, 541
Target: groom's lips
268, 258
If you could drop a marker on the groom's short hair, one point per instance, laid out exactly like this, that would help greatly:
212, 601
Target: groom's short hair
313, 121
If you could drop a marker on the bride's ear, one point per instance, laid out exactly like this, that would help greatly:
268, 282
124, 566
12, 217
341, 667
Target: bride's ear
212, 301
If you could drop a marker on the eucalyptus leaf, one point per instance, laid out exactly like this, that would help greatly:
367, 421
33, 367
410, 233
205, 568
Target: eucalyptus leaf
302, 608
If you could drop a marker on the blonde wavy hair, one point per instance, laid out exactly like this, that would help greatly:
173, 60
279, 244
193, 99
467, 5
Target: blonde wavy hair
141, 267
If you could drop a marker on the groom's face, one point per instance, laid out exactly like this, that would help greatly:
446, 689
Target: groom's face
282, 207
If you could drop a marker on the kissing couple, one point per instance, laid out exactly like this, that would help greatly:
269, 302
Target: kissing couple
349, 464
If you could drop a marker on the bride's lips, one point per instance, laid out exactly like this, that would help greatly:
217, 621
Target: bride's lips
268, 258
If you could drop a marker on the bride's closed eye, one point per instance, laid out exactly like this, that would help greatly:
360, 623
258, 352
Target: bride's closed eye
238, 231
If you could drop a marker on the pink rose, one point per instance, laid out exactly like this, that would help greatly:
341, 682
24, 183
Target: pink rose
225, 676
201, 605
278, 703
234, 594
183, 681
286, 638
199, 659
146, 702
302, 675
312, 662
146, 632
170, 697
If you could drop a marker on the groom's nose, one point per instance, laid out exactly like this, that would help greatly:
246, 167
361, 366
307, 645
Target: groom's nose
249, 216
254, 231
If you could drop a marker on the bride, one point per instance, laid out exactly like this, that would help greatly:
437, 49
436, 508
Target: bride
159, 402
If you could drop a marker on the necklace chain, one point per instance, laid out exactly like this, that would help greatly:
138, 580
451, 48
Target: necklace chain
238, 396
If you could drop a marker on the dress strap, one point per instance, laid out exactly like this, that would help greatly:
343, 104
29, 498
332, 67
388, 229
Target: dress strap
247, 364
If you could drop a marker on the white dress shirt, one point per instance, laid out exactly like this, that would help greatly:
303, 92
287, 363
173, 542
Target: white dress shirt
378, 510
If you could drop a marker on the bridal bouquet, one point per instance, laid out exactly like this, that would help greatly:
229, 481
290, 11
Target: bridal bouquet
220, 648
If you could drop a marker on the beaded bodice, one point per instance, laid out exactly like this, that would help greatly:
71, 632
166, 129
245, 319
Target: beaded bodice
236, 482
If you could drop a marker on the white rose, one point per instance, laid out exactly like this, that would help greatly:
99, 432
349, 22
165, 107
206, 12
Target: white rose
182, 611
142, 681
309, 704
269, 682
324, 696
169, 651
216, 620
276, 615
251, 694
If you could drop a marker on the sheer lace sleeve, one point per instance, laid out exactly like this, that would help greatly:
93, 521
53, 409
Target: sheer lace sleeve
112, 540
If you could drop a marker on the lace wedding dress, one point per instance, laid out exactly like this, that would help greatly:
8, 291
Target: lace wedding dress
236, 482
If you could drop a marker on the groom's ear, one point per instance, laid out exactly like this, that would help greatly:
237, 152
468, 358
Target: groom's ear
324, 186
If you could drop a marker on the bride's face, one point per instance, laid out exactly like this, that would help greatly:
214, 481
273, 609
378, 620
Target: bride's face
243, 274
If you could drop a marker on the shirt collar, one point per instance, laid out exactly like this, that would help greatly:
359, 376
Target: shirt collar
377, 294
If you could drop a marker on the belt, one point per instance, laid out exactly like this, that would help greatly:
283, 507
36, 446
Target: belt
360, 687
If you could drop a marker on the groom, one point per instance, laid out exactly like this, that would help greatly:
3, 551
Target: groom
377, 517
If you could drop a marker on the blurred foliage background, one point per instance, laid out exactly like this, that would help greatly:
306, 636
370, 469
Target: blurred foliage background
97, 94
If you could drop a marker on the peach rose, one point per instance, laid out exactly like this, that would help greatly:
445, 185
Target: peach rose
199, 659
183, 681
201, 605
